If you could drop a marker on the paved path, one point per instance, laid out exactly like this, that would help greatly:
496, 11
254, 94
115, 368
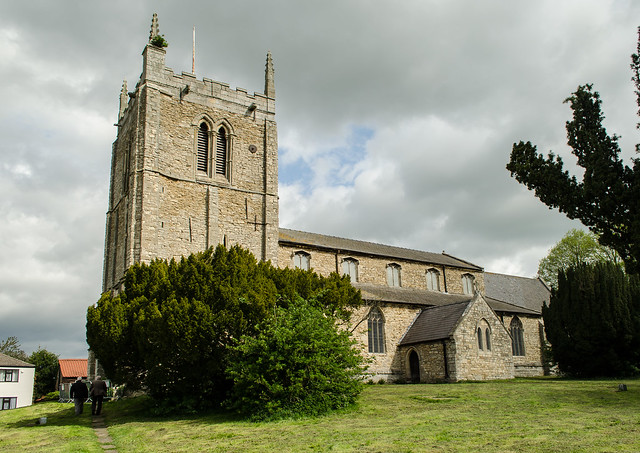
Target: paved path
104, 438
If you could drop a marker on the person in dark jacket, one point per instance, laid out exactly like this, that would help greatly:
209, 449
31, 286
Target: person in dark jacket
98, 391
79, 393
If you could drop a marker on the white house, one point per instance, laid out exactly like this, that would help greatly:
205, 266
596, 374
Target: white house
16, 382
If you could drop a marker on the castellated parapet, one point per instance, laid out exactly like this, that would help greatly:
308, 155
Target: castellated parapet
194, 165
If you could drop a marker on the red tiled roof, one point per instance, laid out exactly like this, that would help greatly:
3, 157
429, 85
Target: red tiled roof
73, 367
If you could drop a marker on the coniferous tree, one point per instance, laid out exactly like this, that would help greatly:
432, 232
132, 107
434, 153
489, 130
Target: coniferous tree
607, 200
170, 329
592, 321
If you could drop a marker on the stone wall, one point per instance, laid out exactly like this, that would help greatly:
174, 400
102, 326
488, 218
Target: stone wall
531, 363
397, 319
161, 206
373, 269
432, 358
471, 363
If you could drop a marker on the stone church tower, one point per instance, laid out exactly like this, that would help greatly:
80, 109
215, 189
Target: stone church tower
194, 164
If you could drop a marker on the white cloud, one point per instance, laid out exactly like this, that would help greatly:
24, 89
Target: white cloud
392, 127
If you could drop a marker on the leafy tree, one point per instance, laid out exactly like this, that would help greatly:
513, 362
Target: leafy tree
298, 362
46, 371
607, 199
11, 347
576, 247
170, 329
593, 320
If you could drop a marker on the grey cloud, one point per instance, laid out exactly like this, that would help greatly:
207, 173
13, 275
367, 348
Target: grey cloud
446, 88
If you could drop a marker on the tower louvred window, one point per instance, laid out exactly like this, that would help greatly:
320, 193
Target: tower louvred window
203, 147
221, 152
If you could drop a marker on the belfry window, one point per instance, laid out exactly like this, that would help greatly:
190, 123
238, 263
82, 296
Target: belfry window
393, 275
350, 268
517, 337
375, 323
202, 163
222, 152
433, 280
301, 260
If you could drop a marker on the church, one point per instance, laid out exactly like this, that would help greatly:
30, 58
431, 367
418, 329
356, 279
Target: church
195, 164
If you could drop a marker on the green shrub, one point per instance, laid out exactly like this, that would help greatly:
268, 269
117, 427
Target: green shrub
298, 363
159, 41
51, 396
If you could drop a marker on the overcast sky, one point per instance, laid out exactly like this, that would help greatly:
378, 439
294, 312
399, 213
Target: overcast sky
395, 123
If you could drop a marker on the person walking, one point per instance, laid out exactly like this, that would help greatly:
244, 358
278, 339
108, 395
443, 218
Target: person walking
98, 391
79, 393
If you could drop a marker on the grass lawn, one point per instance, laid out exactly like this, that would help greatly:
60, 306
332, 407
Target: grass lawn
553, 415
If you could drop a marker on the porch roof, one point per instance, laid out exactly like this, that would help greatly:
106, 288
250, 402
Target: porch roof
435, 323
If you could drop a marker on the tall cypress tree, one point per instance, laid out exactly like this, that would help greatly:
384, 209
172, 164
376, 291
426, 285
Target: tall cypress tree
593, 321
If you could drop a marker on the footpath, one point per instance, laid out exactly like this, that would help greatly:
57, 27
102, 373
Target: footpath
100, 428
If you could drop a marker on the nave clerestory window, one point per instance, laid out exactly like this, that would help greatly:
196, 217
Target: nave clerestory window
350, 268
433, 280
393, 275
301, 260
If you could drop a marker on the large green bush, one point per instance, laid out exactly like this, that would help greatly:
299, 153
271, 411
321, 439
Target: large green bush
593, 321
170, 329
46, 363
299, 362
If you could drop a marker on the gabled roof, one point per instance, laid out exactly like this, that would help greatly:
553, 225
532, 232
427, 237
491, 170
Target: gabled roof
413, 296
321, 241
521, 292
435, 323
7, 360
71, 368
498, 305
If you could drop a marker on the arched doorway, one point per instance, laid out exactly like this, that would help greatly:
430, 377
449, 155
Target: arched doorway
414, 366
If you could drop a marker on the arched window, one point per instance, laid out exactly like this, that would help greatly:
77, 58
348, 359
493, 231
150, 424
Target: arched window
517, 337
350, 268
483, 334
467, 284
202, 163
488, 338
393, 275
301, 260
222, 152
375, 323
433, 280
